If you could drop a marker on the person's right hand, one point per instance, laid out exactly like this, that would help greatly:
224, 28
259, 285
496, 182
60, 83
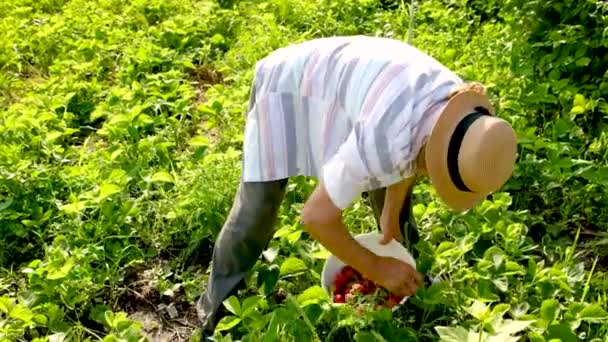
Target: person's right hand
396, 276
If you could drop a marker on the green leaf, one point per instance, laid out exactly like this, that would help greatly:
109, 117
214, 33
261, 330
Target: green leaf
500, 309
512, 327
21, 313
486, 290
268, 278
233, 305
364, 336
63, 271
378, 336
515, 268
502, 284
249, 304
579, 100
312, 294
291, 266
162, 176
40, 319
295, 236
561, 332
452, 334
110, 338
593, 313
61, 337
532, 268
51, 136
98, 313
109, 318
273, 328
72, 208
227, 323
433, 294
322, 253
199, 140
116, 153
106, 190
549, 310
535, 337
5, 304
446, 246
314, 311
7, 203
478, 310
584, 61
282, 231
577, 110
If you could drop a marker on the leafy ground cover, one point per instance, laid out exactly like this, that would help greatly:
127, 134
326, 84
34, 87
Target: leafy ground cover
120, 138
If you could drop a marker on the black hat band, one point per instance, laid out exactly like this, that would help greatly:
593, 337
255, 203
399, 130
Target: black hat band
456, 142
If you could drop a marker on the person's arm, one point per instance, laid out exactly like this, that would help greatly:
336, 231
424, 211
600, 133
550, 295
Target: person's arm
323, 221
394, 199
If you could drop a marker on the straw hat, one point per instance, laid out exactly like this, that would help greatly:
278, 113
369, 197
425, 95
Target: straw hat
470, 152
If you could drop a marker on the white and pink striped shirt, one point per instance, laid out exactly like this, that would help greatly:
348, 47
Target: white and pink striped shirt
353, 111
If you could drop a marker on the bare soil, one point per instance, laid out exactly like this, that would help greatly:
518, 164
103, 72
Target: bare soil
164, 319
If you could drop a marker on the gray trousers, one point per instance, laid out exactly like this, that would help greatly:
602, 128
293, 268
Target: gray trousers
247, 231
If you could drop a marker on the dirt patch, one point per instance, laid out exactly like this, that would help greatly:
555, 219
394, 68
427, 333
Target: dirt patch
159, 327
164, 318
203, 77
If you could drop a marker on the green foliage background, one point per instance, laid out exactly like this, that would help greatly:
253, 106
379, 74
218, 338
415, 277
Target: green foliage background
120, 138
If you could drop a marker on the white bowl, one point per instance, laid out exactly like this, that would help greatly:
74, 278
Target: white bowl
371, 241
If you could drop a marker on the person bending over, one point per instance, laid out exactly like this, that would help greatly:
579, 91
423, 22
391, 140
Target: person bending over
363, 115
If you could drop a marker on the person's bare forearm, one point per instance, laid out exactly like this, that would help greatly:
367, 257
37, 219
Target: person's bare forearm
323, 221
339, 242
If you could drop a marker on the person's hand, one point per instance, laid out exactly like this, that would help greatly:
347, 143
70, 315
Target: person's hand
390, 229
396, 276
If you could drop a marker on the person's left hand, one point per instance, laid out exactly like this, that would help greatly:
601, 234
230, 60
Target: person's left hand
391, 229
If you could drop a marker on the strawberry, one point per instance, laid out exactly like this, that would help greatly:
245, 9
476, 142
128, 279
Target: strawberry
341, 281
338, 298
392, 301
349, 284
367, 286
396, 297
350, 272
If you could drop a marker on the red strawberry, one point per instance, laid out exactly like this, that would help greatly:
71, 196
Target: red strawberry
367, 286
349, 272
393, 300
338, 298
341, 281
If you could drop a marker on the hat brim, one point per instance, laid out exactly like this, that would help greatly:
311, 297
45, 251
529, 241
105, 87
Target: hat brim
436, 150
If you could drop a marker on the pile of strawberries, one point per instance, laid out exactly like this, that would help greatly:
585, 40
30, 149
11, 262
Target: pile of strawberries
350, 286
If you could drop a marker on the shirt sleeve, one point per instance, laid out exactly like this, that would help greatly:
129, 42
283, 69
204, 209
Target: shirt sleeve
356, 166
342, 174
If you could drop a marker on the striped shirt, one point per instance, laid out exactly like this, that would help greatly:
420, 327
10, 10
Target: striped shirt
353, 111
